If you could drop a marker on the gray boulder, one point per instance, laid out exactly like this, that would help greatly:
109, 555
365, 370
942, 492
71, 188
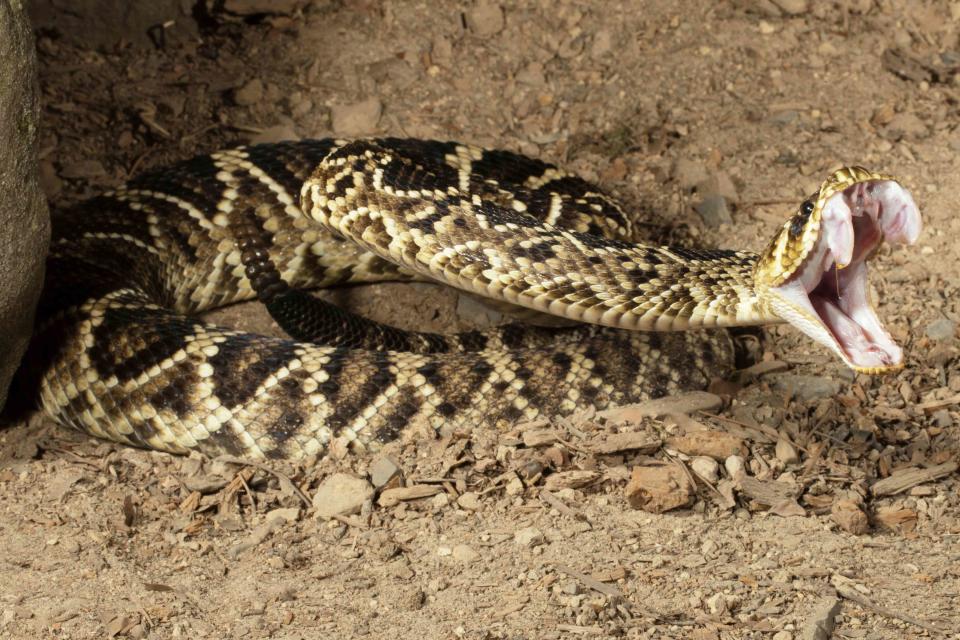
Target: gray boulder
24, 221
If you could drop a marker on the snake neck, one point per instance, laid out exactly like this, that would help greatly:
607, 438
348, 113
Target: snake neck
674, 289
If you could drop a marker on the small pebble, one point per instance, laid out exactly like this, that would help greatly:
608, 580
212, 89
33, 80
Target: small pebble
786, 453
357, 119
485, 19
341, 494
689, 173
528, 537
465, 554
792, 8
735, 466
942, 329
713, 210
383, 470
469, 501
706, 468
248, 94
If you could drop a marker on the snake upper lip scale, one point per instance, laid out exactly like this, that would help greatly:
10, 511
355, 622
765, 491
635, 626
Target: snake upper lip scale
827, 295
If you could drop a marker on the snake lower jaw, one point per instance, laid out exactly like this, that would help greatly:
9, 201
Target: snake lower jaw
828, 297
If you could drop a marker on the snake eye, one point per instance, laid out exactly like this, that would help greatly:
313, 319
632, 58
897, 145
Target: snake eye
807, 207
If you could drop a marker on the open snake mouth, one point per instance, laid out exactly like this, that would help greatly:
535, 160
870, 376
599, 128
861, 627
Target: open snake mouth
828, 296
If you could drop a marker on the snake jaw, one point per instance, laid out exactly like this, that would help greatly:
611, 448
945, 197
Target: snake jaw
827, 296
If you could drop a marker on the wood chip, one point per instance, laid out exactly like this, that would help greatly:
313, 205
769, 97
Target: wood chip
629, 441
899, 520
718, 445
659, 487
610, 575
571, 479
766, 492
905, 479
933, 405
540, 437
848, 515
684, 403
392, 497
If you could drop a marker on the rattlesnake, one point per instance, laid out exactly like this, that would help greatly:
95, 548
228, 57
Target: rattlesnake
119, 353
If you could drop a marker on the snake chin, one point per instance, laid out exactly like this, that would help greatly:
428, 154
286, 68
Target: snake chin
828, 298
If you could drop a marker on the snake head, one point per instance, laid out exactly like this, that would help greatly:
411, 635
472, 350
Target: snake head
813, 274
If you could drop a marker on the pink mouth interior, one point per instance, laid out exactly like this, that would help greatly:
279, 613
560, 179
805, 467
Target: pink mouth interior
853, 225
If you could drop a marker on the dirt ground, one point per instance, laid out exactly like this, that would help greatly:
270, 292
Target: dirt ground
711, 120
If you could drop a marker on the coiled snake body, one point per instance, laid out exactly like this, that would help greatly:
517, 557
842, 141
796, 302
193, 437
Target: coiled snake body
119, 353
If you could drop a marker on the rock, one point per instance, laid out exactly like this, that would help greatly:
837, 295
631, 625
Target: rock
251, 92
806, 388
259, 7
821, 621
942, 329
905, 125
736, 467
469, 501
786, 453
465, 554
383, 470
792, 7
341, 494
276, 133
357, 119
528, 537
782, 635
717, 444
713, 210
515, 486
485, 19
848, 515
659, 487
689, 173
284, 514
85, 169
24, 221
706, 468
719, 183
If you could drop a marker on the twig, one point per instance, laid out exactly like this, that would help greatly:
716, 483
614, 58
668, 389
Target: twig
560, 506
587, 581
283, 478
852, 595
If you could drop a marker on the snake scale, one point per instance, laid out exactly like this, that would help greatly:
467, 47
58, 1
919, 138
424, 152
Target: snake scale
120, 353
